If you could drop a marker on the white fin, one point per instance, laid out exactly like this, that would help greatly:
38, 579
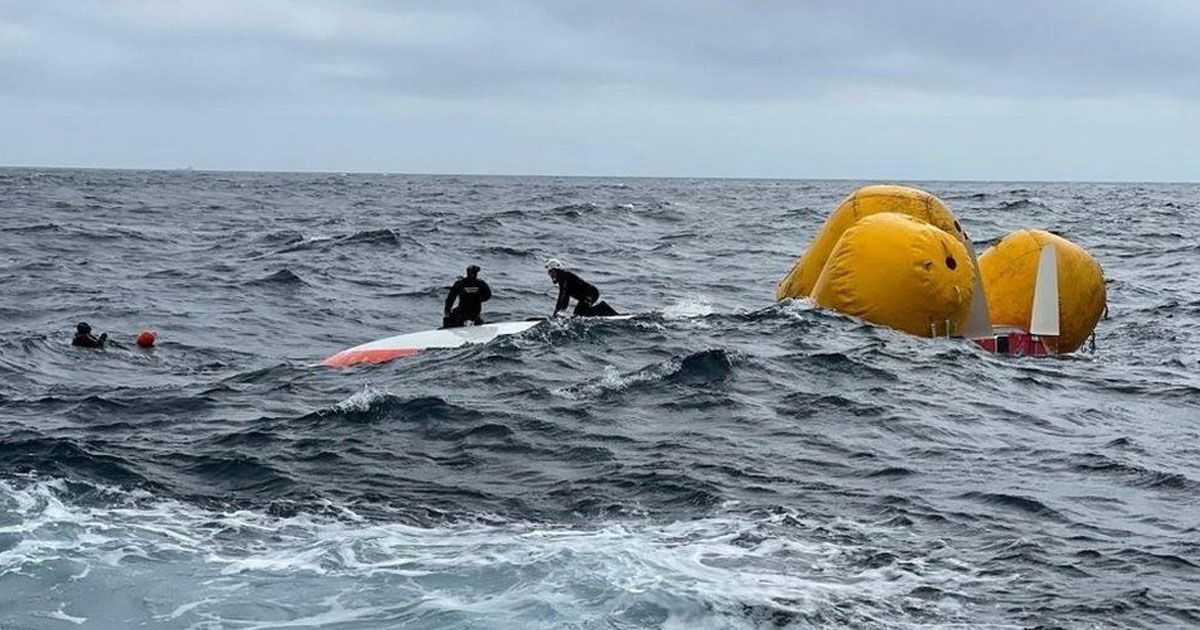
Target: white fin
1044, 319
979, 322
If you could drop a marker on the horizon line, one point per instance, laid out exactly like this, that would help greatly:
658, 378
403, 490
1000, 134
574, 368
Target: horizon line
188, 169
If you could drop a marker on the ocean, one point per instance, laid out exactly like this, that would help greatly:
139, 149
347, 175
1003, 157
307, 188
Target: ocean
718, 461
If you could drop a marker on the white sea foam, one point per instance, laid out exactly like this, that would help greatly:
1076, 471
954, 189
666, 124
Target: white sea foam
612, 380
177, 564
687, 308
361, 400
62, 616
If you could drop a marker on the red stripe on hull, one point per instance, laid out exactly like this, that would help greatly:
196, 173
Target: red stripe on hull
352, 357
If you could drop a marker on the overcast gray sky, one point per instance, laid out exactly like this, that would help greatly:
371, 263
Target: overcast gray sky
924, 89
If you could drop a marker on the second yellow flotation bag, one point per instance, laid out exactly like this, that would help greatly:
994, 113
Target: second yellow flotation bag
894, 270
1009, 271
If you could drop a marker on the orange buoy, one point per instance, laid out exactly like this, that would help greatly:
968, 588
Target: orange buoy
146, 339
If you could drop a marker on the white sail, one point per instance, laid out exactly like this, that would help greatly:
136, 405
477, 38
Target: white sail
1044, 319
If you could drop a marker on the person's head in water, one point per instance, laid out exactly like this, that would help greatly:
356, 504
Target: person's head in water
473, 271
553, 267
84, 338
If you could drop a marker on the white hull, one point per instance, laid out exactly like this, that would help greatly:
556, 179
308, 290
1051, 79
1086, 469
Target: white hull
391, 348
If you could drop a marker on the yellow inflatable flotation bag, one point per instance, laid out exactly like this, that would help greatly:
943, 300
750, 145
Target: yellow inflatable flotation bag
1009, 271
862, 203
894, 270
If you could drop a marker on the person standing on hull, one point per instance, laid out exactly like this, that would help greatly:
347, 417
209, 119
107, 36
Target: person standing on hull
471, 293
571, 286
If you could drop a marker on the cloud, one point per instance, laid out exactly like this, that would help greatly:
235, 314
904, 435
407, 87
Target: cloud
716, 49
713, 87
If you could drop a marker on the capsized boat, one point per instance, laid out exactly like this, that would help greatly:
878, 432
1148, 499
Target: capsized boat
385, 350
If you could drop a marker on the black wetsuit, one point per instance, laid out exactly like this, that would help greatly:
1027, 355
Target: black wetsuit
84, 340
471, 294
572, 287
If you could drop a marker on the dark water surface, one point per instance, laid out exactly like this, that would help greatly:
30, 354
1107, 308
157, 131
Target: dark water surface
720, 461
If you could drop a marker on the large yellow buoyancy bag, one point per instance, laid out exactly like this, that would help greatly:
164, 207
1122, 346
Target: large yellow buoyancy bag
1009, 271
894, 270
864, 202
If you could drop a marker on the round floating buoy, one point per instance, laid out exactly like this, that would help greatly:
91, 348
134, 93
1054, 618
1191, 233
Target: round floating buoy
1009, 271
146, 339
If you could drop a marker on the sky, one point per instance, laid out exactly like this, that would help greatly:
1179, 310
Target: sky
1077, 90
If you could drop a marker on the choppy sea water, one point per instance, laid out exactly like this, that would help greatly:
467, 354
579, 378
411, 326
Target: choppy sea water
718, 461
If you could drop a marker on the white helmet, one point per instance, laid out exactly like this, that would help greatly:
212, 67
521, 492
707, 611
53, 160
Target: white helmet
554, 264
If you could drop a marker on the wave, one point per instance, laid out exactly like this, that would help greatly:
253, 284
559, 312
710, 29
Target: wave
384, 237
25, 453
238, 473
827, 405
660, 210
689, 308
173, 274
1016, 502
573, 210
371, 237
267, 374
700, 368
371, 405
1133, 474
36, 228
283, 278
504, 250
841, 363
279, 238
697, 369
1023, 205
890, 472
730, 570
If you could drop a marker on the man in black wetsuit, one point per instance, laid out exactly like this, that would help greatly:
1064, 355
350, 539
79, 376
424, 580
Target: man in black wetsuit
571, 286
471, 293
85, 339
